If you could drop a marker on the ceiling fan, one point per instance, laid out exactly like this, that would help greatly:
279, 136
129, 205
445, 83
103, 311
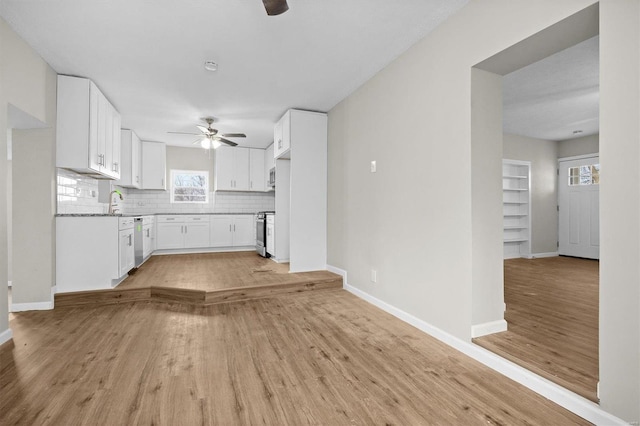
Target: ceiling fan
209, 137
275, 7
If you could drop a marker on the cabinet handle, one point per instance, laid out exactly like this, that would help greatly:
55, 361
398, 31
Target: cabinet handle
229, 228
186, 229
162, 182
251, 185
129, 239
137, 179
279, 143
115, 167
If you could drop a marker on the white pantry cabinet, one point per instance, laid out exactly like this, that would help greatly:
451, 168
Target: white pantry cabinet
130, 159
182, 232
92, 252
232, 231
85, 138
154, 165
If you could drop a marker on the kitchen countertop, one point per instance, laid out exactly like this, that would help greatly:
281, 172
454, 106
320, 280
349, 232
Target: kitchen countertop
139, 215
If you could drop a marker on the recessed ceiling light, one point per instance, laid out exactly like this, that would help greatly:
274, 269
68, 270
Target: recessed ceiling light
577, 132
210, 66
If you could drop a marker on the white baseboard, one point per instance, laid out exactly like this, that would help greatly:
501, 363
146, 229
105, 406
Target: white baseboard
5, 336
488, 328
37, 306
541, 255
561, 396
340, 272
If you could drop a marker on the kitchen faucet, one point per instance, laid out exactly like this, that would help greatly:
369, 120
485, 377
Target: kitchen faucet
115, 191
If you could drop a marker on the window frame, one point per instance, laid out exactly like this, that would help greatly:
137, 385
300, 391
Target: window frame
175, 172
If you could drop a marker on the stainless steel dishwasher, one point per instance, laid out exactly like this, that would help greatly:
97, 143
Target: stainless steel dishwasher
138, 240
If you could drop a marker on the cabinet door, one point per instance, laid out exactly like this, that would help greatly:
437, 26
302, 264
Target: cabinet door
282, 137
146, 240
221, 231
153, 165
243, 231
196, 235
102, 131
170, 236
108, 139
271, 246
126, 255
241, 166
115, 144
135, 161
94, 114
256, 170
225, 169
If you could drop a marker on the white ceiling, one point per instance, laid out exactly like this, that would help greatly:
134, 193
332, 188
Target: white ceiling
552, 98
148, 56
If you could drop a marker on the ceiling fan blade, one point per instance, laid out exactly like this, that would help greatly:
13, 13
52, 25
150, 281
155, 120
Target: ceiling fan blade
184, 133
228, 142
234, 135
203, 129
275, 7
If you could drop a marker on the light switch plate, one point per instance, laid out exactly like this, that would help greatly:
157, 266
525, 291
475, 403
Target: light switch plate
373, 166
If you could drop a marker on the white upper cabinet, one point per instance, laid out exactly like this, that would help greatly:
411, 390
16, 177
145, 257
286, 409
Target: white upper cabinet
239, 169
130, 160
85, 139
154, 165
282, 137
256, 170
269, 163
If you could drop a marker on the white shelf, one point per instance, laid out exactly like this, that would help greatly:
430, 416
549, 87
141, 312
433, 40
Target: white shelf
516, 240
516, 208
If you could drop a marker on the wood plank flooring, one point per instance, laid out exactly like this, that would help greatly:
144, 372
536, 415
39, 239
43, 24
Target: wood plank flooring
552, 316
204, 279
320, 357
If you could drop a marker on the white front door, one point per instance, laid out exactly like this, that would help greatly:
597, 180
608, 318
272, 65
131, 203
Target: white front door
578, 202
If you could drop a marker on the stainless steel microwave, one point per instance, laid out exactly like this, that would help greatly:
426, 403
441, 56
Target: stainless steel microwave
272, 177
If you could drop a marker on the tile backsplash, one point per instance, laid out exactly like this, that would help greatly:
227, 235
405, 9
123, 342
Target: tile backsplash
79, 194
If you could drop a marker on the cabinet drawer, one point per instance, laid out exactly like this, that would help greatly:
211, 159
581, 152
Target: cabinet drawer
170, 219
125, 223
196, 218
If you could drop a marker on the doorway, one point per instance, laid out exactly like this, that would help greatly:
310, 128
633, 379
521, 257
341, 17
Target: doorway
579, 207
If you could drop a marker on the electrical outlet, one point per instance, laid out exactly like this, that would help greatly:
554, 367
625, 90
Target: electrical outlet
374, 276
373, 166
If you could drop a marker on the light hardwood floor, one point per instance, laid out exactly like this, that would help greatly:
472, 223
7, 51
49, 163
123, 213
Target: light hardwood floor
552, 316
205, 279
322, 357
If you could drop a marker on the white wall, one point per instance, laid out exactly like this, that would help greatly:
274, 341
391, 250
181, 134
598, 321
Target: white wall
543, 155
579, 146
25, 83
412, 220
620, 208
487, 295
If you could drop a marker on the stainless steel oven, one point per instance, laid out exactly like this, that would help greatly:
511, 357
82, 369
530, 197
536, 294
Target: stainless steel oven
261, 233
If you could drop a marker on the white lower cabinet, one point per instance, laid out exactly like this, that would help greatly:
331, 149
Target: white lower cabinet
182, 232
92, 253
148, 236
126, 258
232, 231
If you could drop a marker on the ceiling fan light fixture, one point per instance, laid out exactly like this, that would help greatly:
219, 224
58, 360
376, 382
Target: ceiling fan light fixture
216, 144
275, 7
210, 66
205, 143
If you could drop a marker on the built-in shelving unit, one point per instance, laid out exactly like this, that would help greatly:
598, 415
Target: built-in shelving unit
516, 207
